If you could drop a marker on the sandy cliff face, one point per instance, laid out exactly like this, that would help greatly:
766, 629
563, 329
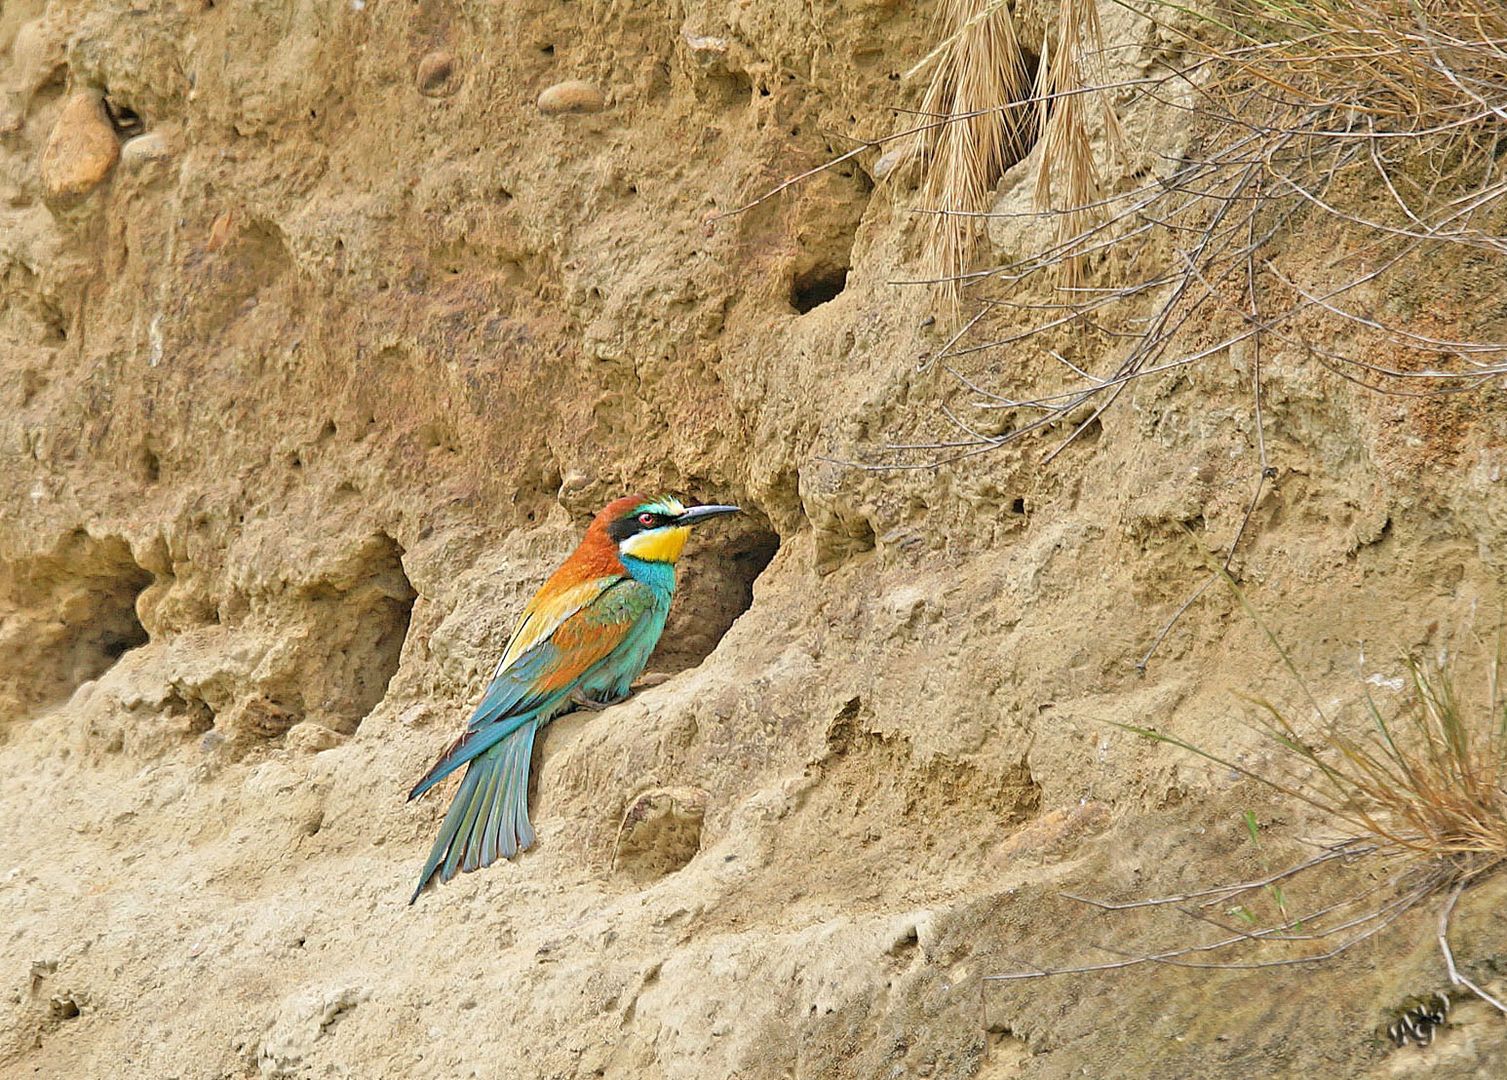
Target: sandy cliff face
321, 339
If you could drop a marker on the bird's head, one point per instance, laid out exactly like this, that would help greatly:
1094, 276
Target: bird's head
654, 530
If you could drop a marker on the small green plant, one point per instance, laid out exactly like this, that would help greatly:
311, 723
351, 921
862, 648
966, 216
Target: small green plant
1423, 792
1426, 789
1279, 898
1429, 785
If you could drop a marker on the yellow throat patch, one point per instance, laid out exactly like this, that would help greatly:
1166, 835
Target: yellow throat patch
657, 545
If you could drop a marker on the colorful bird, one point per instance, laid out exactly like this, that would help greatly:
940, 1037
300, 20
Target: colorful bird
583, 639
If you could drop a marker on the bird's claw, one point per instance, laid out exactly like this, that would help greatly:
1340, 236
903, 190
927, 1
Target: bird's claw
581, 701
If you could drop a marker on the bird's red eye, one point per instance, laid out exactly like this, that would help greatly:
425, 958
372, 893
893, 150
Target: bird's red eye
646, 519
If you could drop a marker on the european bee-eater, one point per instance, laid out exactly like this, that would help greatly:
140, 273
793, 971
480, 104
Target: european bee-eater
582, 641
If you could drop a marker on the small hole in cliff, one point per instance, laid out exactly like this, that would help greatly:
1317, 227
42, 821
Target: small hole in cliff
716, 580
185, 708
124, 119
373, 615
1026, 75
74, 616
659, 834
826, 235
1018, 506
547, 50
437, 435
729, 88
344, 641
54, 324
110, 628
33, 382
812, 288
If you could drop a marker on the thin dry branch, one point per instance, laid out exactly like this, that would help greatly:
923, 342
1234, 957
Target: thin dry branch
1346, 850
1446, 912
1374, 921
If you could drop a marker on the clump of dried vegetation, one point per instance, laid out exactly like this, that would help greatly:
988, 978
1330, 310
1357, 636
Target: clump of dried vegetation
1374, 129
1377, 125
981, 81
987, 103
1422, 794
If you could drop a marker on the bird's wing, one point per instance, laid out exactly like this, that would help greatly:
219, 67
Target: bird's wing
579, 639
545, 613
546, 671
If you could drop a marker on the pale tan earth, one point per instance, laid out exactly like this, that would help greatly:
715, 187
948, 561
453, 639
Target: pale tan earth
302, 396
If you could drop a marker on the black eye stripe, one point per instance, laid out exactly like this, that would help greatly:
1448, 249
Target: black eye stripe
625, 527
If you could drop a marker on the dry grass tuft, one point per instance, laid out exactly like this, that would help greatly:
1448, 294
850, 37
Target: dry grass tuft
1431, 783
988, 101
1411, 65
1423, 794
1068, 183
981, 123
1428, 787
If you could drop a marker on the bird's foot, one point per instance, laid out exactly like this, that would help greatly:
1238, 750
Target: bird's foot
581, 701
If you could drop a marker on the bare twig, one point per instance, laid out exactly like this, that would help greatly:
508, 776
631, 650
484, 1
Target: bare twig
1382, 917
1343, 851
1446, 910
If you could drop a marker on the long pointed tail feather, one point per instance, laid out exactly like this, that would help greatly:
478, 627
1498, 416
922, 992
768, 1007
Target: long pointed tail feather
470, 745
488, 818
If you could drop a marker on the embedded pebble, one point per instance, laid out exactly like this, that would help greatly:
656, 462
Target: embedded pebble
221, 230
573, 96
308, 737
891, 160
703, 43
81, 150
146, 149
437, 76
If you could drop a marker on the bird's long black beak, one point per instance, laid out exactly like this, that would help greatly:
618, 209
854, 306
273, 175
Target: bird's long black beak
701, 513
